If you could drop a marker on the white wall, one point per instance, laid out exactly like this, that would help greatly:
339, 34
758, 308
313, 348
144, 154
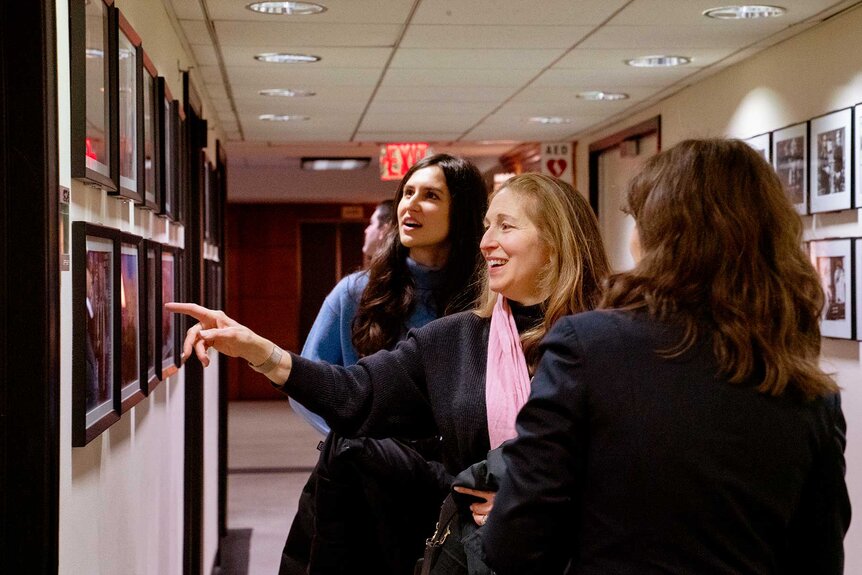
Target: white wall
121, 496
811, 74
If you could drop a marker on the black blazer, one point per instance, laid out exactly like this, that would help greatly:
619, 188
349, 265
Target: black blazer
630, 463
432, 383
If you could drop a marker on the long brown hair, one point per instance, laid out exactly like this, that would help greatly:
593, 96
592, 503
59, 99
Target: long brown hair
722, 254
571, 282
389, 299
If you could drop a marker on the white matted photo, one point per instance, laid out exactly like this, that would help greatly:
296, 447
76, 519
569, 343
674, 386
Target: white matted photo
761, 144
790, 160
830, 175
833, 260
858, 163
858, 269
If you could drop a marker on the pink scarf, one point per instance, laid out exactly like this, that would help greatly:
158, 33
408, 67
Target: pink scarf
507, 380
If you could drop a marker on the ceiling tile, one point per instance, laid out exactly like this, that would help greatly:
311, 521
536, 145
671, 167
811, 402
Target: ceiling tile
419, 136
205, 54
313, 78
279, 36
446, 77
329, 57
690, 13
528, 37
670, 39
196, 30
605, 59
447, 93
187, 9
337, 11
439, 107
324, 95
480, 59
621, 79
418, 122
547, 12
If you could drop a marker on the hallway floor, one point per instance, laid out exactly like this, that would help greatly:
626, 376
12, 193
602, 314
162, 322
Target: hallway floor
271, 452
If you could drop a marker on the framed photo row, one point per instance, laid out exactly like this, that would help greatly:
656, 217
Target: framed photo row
836, 263
819, 161
124, 122
123, 342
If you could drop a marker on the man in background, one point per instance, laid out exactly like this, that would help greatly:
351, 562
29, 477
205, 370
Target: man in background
378, 227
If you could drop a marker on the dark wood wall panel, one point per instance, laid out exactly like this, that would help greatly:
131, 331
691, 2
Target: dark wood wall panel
263, 278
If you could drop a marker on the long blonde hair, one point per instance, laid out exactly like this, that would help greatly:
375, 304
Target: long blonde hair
722, 255
571, 282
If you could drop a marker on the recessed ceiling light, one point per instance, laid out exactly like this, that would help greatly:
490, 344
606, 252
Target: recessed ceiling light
661, 61
282, 118
549, 120
286, 93
742, 12
599, 95
281, 57
290, 8
335, 163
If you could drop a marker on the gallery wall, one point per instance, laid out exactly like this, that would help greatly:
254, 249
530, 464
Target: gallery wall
122, 494
809, 75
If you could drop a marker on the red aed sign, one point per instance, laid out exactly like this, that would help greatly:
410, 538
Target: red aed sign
396, 159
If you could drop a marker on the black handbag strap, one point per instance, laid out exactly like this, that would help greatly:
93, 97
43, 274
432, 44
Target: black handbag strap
448, 511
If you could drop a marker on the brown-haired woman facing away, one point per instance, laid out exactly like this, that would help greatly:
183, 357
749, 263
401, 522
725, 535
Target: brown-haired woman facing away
462, 377
687, 428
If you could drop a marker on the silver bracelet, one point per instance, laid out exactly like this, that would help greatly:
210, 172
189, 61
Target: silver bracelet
271, 362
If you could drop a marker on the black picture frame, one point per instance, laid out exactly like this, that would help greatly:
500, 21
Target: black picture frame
152, 315
130, 106
790, 161
762, 144
94, 113
152, 140
167, 340
857, 153
168, 109
830, 171
133, 337
834, 261
208, 186
96, 401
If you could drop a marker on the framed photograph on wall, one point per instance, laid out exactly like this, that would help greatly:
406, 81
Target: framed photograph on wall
151, 137
761, 144
831, 152
168, 335
132, 309
790, 160
207, 188
168, 149
152, 315
857, 165
857, 265
131, 111
96, 401
833, 260
93, 81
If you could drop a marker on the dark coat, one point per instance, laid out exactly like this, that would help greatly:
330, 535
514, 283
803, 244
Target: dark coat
431, 384
352, 512
630, 463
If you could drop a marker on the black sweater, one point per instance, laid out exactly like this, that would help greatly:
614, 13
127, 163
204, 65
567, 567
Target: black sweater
432, 383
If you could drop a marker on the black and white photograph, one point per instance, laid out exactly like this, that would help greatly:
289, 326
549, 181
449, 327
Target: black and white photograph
761, 144
131, 336
833, 260
151, 125
857, 266
857, 165
95, 330
790, 160
830, 149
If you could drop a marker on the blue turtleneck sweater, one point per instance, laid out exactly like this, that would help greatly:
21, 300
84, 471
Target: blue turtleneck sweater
330, 338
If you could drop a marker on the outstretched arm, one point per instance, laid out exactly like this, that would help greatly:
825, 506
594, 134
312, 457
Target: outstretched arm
215, 329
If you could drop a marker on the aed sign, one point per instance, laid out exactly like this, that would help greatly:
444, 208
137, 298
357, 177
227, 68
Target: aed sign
558, 159
396, 159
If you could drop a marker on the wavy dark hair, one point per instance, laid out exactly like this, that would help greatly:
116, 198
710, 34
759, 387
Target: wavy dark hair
573, 278
389, 298
722, 254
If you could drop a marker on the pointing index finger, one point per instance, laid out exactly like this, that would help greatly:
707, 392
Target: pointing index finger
198, 312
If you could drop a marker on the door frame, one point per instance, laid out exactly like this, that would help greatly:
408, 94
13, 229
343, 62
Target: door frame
29, 330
